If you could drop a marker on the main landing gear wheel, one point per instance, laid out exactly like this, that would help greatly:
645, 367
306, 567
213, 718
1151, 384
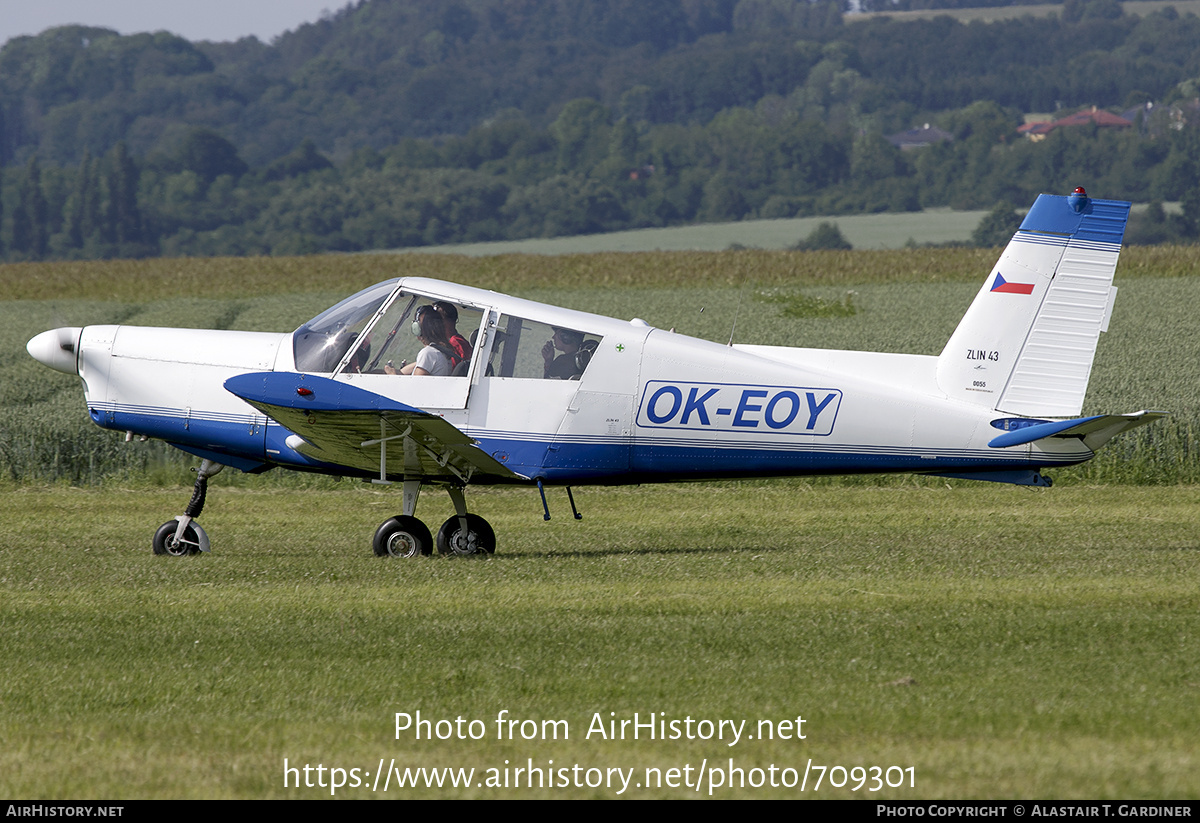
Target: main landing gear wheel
165, 542
403, 536
478, 539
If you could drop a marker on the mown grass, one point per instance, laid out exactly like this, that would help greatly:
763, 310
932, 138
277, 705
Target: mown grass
895, 230
1003, 642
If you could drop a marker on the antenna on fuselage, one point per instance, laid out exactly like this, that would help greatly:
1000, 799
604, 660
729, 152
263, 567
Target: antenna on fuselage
738, 309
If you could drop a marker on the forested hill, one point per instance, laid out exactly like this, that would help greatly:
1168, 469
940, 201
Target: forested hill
401, 122
382, 70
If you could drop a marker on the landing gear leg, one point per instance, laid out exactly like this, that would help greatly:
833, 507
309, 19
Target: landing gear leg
183, 535
465, 533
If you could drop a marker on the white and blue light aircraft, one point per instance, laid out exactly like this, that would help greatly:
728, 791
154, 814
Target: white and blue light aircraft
612, 401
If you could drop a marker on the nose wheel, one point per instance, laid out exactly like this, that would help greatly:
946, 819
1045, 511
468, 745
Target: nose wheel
183, 536
168, 541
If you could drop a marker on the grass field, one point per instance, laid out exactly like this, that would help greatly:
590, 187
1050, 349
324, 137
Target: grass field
1000, 642
863, 231
996, 641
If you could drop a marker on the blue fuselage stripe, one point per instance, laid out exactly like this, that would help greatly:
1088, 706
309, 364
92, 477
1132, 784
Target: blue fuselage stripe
597, 461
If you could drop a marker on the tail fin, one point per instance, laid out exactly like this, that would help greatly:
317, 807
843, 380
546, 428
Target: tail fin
1025, 346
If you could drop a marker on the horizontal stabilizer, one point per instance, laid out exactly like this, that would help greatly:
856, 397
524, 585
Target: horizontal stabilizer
344, 425
1093, 431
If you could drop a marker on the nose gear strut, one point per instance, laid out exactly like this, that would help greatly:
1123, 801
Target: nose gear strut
183, 535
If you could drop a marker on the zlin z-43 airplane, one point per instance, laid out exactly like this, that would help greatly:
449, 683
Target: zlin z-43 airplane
549, 396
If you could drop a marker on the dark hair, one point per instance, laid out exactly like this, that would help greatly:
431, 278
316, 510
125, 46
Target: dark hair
570, 336
433, 330
446, 310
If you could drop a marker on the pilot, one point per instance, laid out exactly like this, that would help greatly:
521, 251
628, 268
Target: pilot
342, 342
564, 366
449, 315
361, 356
435, 357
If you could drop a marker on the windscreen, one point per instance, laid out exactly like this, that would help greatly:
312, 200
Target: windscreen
321, 343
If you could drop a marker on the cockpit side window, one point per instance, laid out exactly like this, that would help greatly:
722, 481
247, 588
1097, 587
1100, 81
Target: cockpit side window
373, 332
531, 349
386, 339
393, 340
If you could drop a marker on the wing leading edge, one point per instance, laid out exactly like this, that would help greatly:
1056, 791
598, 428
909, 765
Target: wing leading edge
340, 424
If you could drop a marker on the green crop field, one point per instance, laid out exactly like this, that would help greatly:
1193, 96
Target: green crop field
953, 639
905, 301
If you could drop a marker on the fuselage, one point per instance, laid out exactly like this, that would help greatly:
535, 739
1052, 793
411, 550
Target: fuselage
647, 404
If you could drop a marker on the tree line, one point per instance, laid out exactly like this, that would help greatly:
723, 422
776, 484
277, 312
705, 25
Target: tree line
588, 172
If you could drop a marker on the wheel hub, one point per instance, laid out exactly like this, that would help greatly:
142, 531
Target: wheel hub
464, 542
402, 544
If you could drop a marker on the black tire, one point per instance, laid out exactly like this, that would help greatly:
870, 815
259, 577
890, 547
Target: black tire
164, 540
480, 539
403, 536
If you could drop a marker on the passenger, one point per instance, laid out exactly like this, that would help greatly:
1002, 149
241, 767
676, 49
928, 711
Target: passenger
562, 367
449, 315
434, 359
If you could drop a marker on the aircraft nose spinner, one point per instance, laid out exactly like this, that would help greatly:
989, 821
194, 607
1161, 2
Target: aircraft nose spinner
57, 348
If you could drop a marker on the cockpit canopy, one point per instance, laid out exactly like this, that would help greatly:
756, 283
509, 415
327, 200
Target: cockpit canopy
374, 329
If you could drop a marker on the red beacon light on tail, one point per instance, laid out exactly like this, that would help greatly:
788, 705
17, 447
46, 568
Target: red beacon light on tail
1078, 199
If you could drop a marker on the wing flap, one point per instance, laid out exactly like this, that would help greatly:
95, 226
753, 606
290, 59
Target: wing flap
338, 423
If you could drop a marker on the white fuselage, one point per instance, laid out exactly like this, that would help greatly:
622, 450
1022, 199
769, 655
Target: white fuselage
651, 404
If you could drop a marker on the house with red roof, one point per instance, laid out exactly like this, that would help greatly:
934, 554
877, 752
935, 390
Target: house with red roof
1104, 119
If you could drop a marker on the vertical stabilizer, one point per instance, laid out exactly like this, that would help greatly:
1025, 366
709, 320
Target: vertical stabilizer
1025, 346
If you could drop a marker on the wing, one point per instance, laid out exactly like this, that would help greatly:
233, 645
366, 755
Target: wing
347, 426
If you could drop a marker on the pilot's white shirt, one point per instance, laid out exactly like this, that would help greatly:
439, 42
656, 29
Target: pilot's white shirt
433, 361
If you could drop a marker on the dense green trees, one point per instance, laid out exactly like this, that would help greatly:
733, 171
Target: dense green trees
587, 172
30, 223
397, 123
383, 70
